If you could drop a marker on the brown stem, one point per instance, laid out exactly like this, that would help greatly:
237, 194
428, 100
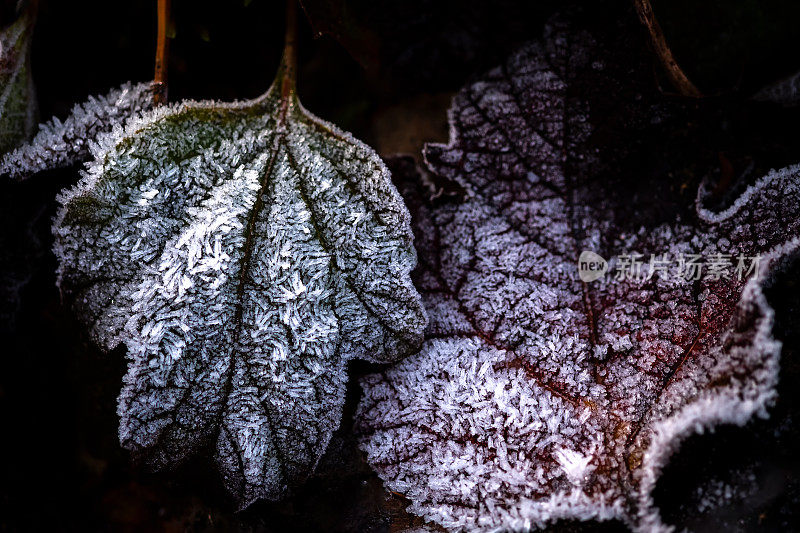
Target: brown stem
288, 69
162, 53
674, 72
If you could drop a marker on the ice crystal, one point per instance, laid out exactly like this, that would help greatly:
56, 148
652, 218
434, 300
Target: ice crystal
243, 252
17, 101
62, 143
537, 396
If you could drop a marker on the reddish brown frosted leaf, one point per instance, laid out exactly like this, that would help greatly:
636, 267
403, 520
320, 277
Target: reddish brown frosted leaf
538, 396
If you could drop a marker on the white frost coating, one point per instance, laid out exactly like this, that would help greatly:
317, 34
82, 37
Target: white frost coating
734, 404
747, 196
575, 465
536, 396
243, 253
62, 143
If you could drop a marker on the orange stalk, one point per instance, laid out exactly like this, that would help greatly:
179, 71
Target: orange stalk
162, 53
674, 73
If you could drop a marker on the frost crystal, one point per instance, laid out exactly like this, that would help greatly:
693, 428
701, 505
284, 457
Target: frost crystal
17, 100
537, 396
62, 143
243, 253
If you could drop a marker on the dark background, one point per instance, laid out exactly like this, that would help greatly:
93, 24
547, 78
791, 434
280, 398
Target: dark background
61, 464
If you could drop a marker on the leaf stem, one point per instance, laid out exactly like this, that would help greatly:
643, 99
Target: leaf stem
288, 70
162, 53
676, 76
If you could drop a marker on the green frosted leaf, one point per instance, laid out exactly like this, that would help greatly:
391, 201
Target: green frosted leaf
61, 143
243, 252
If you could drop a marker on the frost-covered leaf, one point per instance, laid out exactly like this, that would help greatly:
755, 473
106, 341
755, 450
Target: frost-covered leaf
17, 100
62, 143
537, 396
243, 253
785, 92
